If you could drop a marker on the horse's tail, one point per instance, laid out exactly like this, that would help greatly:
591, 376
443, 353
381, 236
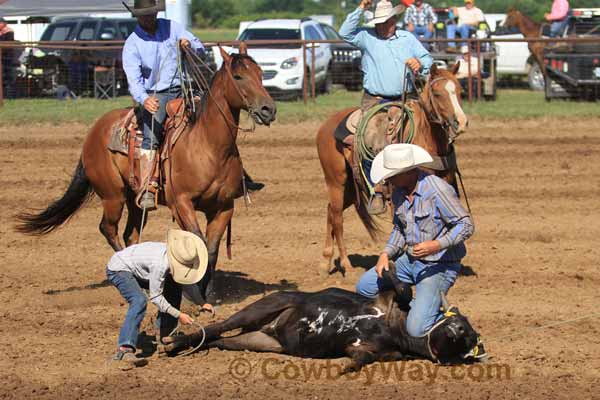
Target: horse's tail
360, 204
60, 211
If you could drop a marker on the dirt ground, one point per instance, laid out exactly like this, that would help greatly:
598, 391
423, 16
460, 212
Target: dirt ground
532, 262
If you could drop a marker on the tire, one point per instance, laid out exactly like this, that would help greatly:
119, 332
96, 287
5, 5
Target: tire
535, 78
548, 89
327, 84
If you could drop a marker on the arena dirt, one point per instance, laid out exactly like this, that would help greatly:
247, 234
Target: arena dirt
533, 261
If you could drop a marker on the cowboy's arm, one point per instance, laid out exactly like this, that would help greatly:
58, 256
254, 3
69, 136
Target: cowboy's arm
408, 16
156, 286
452, 213
132, 63
395, 244
350, 32
421, 54
182, 33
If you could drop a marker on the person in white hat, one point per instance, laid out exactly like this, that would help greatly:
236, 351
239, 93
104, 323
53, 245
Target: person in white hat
430, 226
161, 268
388, 54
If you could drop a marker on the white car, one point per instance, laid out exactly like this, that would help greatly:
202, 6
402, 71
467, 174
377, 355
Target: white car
283, 64
514, 58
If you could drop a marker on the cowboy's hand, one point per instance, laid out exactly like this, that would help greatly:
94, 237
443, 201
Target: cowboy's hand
364, 4
185, 319
413, 64
151, 104
382, 264
184, 43
430, 28
425, 249
547, 17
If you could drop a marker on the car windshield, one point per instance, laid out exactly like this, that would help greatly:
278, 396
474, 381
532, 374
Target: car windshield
272, 34
58, 32
330, 33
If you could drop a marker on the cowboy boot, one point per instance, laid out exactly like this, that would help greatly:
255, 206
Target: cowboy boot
147, 201
251, 185
376, 204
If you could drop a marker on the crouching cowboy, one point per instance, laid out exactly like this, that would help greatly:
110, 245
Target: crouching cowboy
150, 63
161, 268
430, 226
388, 54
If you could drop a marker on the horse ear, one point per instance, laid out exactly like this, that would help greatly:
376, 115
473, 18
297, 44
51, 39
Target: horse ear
225, 55
455, 67
243, 48
433, 70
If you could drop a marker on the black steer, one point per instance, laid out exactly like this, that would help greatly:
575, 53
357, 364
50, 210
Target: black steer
334, 323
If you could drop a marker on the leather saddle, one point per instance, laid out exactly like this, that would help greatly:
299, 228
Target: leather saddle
126, 138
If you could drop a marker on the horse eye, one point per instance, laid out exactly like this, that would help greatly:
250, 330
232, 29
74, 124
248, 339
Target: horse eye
237, 77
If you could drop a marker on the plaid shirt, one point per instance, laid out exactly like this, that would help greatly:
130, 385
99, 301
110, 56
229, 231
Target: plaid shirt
420, 17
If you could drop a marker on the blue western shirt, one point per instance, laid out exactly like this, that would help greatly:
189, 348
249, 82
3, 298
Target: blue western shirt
384, 60
434, 214
150, 61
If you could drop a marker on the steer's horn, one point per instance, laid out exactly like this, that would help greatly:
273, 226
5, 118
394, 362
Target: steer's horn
445, 304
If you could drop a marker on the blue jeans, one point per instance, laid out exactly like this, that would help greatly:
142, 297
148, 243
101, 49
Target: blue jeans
557, 27
131, 290
464, 30
422, 30
429, 281
153, 138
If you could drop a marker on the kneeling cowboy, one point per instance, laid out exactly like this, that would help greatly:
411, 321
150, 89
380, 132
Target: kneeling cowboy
162, 269
387, 51
427, 241
150, 63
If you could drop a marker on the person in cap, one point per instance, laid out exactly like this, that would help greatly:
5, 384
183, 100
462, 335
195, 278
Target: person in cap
469, 18
427, 240
9, 60
389, 54
161, 268
420, 19
150, 63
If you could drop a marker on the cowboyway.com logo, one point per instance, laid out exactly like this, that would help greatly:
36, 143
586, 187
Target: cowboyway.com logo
272, 368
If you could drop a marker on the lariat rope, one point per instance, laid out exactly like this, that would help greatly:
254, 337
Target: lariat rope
194, 349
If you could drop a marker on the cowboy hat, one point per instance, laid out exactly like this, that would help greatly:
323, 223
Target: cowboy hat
384, 11
146, 7
187, 256
396, 159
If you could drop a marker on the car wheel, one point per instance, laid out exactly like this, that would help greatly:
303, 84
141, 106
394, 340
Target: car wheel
536, 78
327, 84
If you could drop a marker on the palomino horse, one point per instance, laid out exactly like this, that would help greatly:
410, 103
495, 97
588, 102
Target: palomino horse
529, 29
203, 171
436, 112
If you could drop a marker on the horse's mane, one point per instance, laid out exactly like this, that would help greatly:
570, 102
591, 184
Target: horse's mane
528, 22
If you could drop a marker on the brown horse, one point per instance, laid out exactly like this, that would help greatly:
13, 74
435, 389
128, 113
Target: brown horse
203, 171
530, 29
436, 113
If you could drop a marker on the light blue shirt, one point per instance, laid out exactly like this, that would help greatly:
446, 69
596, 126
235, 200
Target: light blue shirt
384, 60
150, 61
434, 214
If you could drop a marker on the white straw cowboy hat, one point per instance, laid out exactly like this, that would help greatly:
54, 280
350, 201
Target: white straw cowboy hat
187, 256
384, 11
396, 159
146, 7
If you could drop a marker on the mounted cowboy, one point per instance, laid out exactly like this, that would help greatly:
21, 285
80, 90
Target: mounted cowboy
387, 52
150, 63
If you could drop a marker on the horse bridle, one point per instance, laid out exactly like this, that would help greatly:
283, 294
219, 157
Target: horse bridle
449, 127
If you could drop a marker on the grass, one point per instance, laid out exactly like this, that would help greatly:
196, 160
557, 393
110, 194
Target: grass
515, 104
216, 35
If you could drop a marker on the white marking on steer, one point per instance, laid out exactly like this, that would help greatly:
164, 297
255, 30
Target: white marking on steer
458, 111
357, 343
348, 323
317, 325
